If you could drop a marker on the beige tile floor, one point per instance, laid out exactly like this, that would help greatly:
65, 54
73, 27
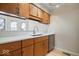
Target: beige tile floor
56, 52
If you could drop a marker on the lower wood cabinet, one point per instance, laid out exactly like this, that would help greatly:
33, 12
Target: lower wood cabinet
27, 51
41, 46
16, 53
7, 48
45, 47
9, 53
38, 49
29, 47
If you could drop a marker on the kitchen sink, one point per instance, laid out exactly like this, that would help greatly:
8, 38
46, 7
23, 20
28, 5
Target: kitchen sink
37, 34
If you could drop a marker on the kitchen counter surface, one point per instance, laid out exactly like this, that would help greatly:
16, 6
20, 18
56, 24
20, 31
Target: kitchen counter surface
18, 38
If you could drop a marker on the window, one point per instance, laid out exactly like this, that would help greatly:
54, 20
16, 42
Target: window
23, 26
13, 26
2, 23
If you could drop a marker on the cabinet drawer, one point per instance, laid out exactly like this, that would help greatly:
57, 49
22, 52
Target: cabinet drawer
27, 42
39, 39
10, 46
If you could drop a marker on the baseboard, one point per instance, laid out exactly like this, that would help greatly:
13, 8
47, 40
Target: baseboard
67, 51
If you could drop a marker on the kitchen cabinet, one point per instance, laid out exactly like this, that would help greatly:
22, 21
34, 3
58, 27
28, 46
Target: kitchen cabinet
34, 12
46, 18
27, 10
9, 8
27, 47
24, 9
11, 53
45, 47
41, 46
38, 49
15, 53
40, 14
6, 49
40, 39
27, 51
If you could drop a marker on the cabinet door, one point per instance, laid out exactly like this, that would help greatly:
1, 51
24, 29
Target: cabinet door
16, 53
27, 51
40, 13
45, 47
6, 49
33, 10
24, 10
46, 18
26, 42
38, 49
9, 7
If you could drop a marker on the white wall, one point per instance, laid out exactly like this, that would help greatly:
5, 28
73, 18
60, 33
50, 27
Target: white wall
65, 24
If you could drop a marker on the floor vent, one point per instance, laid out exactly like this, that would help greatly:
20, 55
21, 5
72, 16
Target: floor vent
67, 54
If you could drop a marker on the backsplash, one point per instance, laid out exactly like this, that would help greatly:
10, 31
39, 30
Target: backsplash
41, 27
28, 25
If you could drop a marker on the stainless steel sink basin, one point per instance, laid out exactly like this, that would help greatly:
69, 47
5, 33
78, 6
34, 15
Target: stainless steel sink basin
37, 34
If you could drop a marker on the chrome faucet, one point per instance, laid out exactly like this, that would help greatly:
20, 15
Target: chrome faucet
34, 29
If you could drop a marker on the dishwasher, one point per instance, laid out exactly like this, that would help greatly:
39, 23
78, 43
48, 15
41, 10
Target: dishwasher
51, 42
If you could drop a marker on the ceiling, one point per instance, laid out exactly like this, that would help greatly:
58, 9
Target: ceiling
50, 6
59, 8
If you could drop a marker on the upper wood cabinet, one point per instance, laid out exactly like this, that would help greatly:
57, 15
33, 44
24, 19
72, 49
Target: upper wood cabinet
40, 14
27, 10
33, 10
9, 7
24, 10
46, 18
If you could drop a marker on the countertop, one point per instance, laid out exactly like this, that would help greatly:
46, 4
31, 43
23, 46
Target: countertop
18, 38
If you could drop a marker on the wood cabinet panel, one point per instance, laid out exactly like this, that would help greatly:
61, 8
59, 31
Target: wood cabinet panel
34, 13
9, 7
27, 42
38, 49
6, 49
46, 18
27, 51
24, 9
39, 39
11, 46
16, 53
40, 14
33, 10
45, 47
13, 53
